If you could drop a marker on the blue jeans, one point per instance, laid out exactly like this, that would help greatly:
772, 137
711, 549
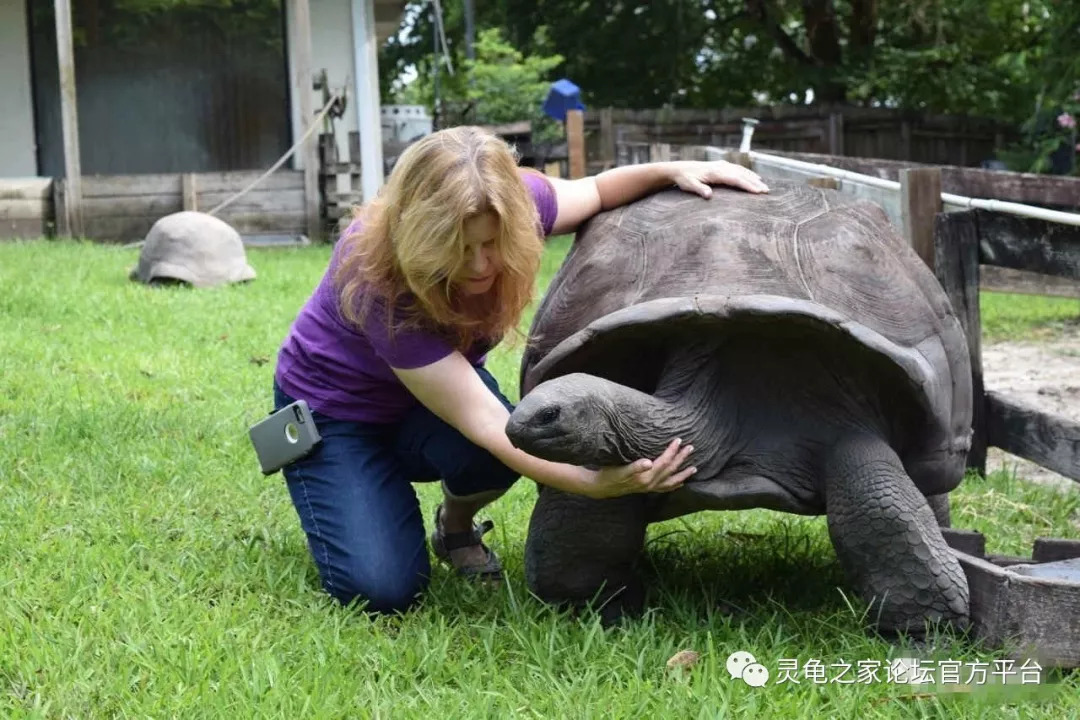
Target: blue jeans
357, 506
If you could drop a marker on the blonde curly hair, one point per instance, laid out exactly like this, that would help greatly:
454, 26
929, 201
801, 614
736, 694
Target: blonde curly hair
410, 244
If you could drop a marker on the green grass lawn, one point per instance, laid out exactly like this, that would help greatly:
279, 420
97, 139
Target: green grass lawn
1006, 316
147, 568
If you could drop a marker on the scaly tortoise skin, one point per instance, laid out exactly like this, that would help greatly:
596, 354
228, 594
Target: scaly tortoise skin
798, 343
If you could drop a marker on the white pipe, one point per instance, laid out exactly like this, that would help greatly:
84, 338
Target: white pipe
366, 101
958, 201
1012, 208
747, 134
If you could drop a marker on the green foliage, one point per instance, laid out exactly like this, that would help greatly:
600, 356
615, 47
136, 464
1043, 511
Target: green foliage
501, 85
987, 58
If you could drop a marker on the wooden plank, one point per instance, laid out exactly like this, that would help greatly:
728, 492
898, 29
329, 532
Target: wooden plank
158, 184
156, 206
129, 229
290, 201
999, 279
1053, 549
12, 228
69, 118
237, 180
1050, 441
23, 209
190, 192
920, 202
1029, 244
268, 223
25, 189
956, 265
1034, 617
971, 542
575, 143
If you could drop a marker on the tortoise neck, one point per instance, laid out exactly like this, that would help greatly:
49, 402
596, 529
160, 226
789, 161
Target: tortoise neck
682, 407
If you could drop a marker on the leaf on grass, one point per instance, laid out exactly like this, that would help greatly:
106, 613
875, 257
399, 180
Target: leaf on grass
259, 360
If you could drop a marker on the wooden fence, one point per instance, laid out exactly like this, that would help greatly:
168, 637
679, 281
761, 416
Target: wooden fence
835, 130
122, 208
958, 244
25, 207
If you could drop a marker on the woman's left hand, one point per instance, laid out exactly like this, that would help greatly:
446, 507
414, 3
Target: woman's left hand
696, 177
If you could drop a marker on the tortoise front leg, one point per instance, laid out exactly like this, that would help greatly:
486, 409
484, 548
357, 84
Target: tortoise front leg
888, 540
940, 506
581, 550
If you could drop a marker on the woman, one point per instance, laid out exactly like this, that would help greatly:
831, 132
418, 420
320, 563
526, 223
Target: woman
389, 354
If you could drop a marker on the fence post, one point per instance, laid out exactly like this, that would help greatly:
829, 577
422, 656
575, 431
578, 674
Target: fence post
956, 264
836, 134
920, 202
607, 140
575, 143
190, 191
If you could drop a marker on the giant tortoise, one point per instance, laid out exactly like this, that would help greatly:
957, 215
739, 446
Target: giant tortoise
807, 353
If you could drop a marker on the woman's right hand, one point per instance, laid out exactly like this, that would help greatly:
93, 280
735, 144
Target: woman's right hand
658, 476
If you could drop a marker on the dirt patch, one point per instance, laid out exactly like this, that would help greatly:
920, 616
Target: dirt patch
1044, 374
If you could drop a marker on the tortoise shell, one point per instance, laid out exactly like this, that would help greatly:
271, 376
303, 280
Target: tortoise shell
673, 266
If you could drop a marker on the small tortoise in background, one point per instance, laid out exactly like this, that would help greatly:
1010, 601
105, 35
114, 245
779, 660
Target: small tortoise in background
798, 343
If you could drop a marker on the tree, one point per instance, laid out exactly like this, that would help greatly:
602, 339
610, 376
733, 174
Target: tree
501, 85
974, 57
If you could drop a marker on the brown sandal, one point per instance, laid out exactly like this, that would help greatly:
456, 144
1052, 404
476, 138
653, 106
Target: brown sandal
442, 543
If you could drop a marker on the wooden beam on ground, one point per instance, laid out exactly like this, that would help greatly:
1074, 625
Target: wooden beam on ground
956, 265
920, 202
69, 121
1050, 441
575, 142
1029, 244
302, 83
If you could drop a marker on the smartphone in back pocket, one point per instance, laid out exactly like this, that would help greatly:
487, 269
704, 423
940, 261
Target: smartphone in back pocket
284, 437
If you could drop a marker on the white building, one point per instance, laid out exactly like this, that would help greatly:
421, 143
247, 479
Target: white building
184, 106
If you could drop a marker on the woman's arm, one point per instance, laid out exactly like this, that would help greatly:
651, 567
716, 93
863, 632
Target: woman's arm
579, 200
452, 390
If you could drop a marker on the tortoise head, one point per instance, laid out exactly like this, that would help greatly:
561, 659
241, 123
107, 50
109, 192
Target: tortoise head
579, 418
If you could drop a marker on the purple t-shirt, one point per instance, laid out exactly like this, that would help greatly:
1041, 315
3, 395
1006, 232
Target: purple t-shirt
344, 373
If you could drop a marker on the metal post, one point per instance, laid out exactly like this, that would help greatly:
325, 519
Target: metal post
367, 104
